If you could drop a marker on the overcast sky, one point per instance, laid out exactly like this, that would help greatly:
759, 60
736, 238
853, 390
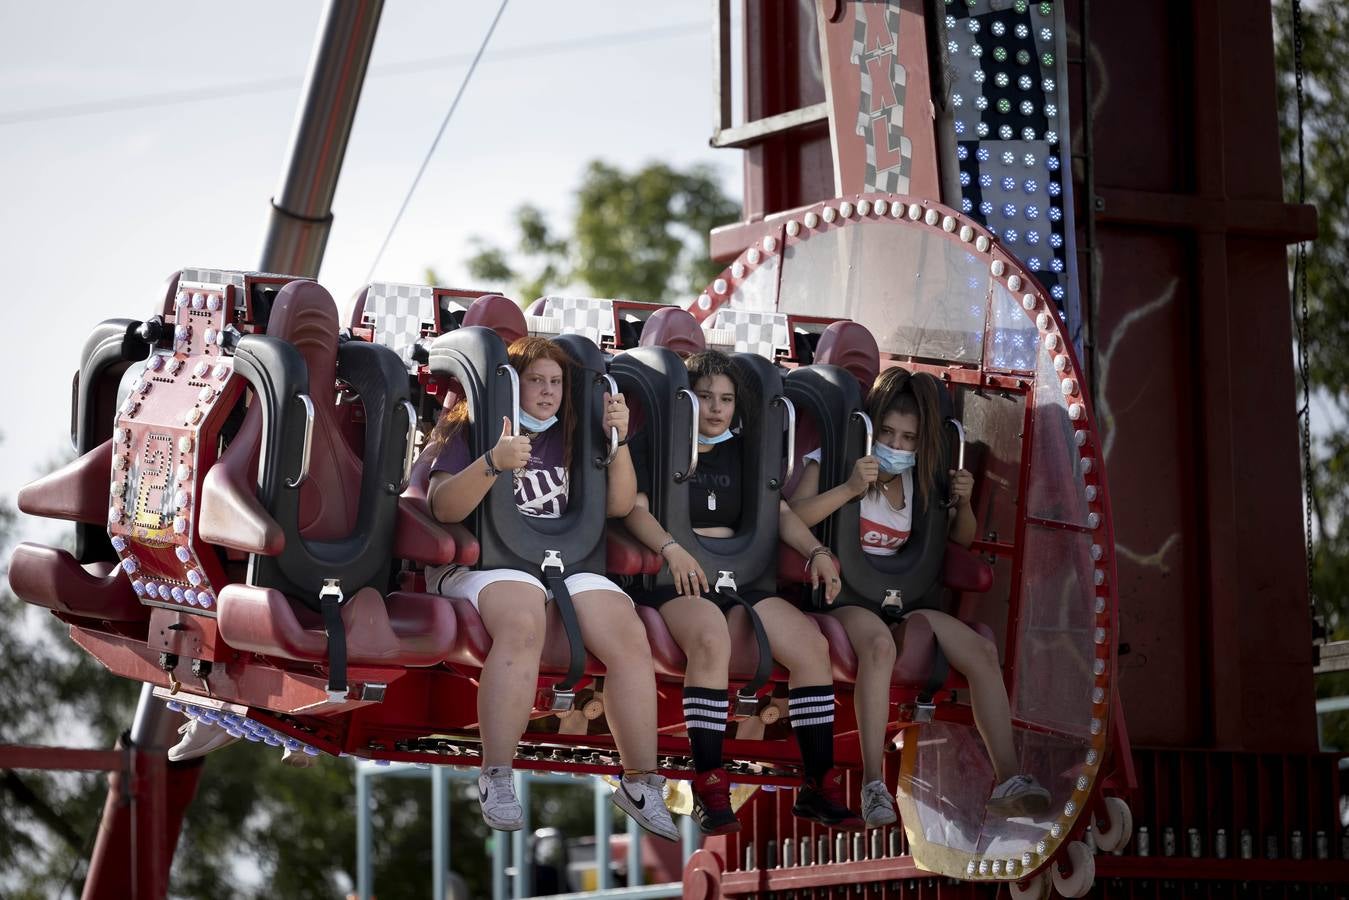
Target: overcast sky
107, 187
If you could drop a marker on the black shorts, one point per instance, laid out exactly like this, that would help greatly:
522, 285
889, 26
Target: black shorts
659, 596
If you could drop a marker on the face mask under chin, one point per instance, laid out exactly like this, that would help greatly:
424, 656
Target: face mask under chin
529, 423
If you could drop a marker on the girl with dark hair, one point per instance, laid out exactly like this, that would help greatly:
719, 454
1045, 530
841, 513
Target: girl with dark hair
906, 463
513, 603
696, 615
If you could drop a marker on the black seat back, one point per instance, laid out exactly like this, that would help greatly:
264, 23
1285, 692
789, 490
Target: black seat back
477, 357
325, 537
833, 398
655, 378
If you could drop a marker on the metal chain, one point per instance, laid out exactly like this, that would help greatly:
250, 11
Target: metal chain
1300, 307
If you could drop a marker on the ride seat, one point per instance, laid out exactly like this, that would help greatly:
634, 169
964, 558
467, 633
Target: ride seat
403, 629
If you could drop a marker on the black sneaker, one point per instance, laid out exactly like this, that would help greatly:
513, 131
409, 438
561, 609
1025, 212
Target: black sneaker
824, 802
712, 803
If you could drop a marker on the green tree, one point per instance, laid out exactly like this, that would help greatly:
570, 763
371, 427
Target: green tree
641, 236
1325, 59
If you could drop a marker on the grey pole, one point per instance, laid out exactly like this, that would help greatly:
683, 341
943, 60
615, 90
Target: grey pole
524, 867
440, 830
499, 865
363, 835
635, 875
302, 207
604, 826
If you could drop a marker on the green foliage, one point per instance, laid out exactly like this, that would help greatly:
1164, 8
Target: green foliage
1325, 59
640, 236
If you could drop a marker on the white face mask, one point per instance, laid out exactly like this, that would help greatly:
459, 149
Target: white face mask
894, 462
709, 441
538, 426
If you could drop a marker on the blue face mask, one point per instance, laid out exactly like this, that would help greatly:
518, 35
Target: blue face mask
538, 426
706, 441
893, 462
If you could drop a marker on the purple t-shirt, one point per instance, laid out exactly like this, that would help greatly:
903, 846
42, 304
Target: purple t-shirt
540, 487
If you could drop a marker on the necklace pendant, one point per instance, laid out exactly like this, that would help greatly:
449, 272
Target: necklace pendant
711, 501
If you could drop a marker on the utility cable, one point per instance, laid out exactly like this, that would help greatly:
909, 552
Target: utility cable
454, 104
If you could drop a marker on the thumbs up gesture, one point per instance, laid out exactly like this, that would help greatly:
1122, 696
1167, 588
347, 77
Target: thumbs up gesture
511, 451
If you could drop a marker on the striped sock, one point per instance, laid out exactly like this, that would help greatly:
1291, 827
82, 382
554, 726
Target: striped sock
811, 710
705, 712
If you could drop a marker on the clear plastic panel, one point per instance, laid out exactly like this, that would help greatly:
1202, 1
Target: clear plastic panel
1012, 334
993, 423
945, 783
918, 293
949, 784
759, 290
1057, 646
1057, 491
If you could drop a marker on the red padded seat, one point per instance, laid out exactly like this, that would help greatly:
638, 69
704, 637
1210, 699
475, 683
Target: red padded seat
76, 492
850, 346
402, 629
674, 329
501, 314
47, 576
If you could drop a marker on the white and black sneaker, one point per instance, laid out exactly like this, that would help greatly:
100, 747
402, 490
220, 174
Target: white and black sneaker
501, 809
878, 807
643, 798
199, 738
1020, 795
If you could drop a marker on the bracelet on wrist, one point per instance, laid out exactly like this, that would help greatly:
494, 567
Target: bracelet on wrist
492, 470
821, 550
667, 545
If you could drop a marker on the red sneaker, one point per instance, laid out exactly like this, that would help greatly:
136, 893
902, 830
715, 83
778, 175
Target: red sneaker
712, 803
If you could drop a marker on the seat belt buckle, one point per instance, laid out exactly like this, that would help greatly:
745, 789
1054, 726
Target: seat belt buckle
332, 589
725, 581
562, 700
893, 600
746, 706
924, 709
552, 559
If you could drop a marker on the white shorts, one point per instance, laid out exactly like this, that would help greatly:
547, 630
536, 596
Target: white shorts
466, 583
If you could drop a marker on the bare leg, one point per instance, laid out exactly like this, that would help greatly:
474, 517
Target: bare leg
611, 630
976, 657
699, 628
514, 616
796, 641
874, 644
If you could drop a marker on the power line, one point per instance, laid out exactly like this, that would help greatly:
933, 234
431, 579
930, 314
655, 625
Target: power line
288, 82
430, 151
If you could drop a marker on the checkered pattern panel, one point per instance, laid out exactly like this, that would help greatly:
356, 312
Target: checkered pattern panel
212, 276
1009, 96
749, 331
586, 316
884, 82
398, 313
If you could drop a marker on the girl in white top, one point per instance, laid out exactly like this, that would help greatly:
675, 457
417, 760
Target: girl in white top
907, 452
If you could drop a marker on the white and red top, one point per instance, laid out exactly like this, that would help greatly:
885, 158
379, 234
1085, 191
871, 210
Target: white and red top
884, 528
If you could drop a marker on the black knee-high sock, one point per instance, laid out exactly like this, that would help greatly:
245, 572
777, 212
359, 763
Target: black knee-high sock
705, 712
811, 710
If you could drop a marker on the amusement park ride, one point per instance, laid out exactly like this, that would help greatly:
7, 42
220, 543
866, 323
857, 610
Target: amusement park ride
922, 188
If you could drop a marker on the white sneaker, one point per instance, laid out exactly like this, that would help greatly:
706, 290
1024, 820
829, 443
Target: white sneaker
878, 807
199, 739
501, 809
296, 758
1020, 795
643, 798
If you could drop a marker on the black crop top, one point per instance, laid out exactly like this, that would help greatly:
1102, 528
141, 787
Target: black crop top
714, 490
